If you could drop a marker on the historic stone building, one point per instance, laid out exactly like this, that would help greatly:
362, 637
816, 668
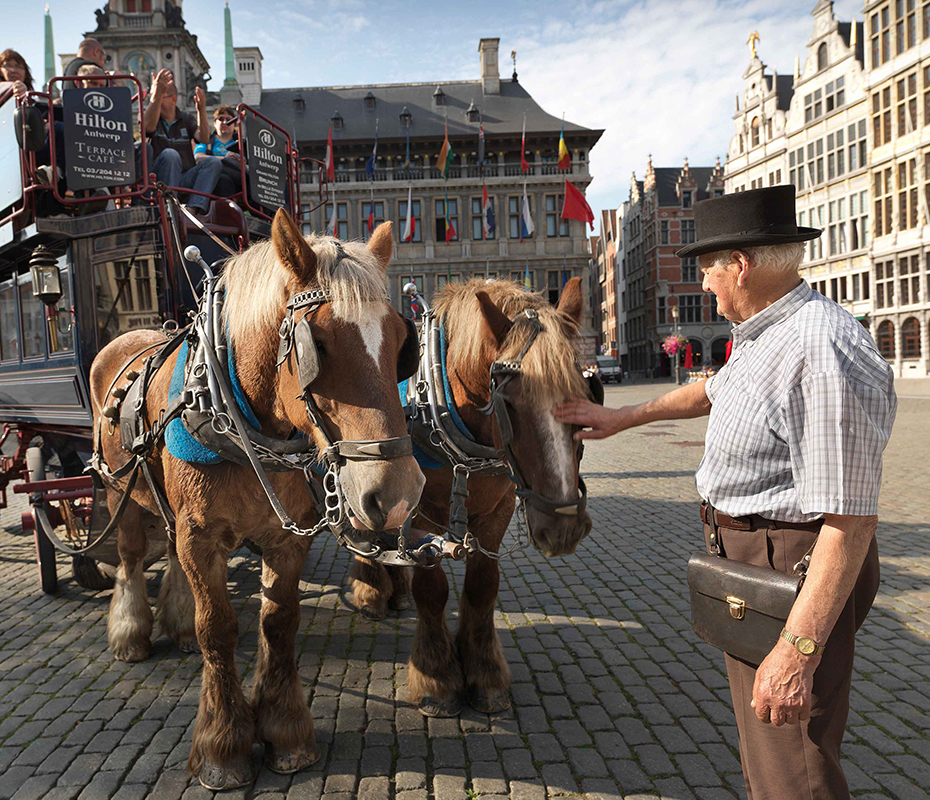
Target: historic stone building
898, 59
604, 254
660, 219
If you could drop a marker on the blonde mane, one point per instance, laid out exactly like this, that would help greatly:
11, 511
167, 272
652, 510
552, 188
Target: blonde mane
550, 367
257, 284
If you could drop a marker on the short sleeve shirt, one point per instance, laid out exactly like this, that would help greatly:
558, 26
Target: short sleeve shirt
800, 415
176, 136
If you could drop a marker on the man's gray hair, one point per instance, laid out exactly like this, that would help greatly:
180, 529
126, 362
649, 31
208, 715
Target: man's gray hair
774, 257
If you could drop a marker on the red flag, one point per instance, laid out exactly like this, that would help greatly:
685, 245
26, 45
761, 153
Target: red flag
689, 357
371, 219
575, 206
330, 161
524, 164
729, 350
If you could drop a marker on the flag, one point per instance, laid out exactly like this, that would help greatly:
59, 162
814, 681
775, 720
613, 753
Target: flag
527, 228
480, 144
370, 164
689, 357
445, 156
524, 164
729, 350
450, 230
564, 274
407, 157
527, 283
414, 306
575, 206
411, 227
330, 161
487, 215
331, 227
371, 210
565, 159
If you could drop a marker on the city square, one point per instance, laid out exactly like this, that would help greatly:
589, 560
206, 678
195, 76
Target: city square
613, 695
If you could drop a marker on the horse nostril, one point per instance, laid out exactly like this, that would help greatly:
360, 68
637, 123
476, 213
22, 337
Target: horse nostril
372, 508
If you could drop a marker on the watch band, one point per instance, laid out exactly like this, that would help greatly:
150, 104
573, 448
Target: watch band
803, 644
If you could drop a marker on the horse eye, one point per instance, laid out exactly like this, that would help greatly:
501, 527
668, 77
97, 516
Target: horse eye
320, 347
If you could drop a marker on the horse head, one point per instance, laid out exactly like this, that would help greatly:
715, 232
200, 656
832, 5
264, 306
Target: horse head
542, 450
346, 349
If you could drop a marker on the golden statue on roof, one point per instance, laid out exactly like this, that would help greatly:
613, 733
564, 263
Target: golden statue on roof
751, 41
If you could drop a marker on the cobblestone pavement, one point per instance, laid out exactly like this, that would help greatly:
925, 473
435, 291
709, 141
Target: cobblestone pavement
613, 696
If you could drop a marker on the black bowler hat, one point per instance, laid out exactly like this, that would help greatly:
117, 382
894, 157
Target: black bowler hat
746, 219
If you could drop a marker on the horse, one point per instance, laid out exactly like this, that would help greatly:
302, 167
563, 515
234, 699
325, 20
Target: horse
360, 343
487, 323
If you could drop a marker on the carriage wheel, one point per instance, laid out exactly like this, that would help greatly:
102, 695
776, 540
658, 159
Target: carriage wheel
45, 551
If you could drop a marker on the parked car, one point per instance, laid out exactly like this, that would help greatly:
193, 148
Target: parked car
609, 369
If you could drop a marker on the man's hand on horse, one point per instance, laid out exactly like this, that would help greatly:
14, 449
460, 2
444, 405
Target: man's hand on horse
603, 422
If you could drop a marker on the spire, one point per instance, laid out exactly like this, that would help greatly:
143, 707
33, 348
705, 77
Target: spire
230, 53
49, 47
853, 35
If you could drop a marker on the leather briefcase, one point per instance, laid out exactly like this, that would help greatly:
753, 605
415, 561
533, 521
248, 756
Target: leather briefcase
739, 608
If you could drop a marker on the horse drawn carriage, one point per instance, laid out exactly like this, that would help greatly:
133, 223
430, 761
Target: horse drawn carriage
72, 281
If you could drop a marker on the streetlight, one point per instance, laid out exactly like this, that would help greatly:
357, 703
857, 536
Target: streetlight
674, 312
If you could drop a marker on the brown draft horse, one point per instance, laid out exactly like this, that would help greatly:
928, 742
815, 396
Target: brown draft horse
477, 318
358, 336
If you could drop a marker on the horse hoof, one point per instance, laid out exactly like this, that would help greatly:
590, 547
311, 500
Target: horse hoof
373, 613
285, 762
431, 707
131, 652
188, 645
218, 777
489, 701
401, 602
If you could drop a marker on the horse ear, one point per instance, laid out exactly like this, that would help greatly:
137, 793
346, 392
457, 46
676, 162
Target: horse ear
496, 324
381, 243
571, 303
291, 247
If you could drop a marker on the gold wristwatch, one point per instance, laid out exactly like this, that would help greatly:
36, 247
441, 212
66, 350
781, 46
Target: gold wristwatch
804, 645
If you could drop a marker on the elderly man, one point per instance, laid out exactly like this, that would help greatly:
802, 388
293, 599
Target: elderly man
90, 52
799, 418
172, 134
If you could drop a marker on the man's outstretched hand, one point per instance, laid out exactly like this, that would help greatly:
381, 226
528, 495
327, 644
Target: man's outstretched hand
602, 422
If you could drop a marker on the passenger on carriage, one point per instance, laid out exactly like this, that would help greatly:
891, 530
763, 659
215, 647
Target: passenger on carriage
171, 133
88, 82
224, 145
90, 53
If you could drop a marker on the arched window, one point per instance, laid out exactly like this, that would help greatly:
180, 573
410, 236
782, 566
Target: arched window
697, 352
884, 338
822, 56
910, 338
755, 131
718, 352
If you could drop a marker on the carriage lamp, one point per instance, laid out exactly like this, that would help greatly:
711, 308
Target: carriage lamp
46, 277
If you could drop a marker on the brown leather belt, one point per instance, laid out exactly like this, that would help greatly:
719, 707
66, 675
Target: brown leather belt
753, 522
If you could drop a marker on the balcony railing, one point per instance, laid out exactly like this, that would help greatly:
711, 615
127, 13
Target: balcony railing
420, 173
138, 21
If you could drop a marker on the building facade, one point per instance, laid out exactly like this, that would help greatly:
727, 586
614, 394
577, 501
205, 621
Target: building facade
658, 221
604, 253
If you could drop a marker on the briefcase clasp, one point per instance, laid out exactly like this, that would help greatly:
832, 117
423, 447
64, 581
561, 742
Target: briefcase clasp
737, 606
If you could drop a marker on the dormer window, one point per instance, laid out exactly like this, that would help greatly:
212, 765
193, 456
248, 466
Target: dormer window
405, 118
336, 121
299, 104
439, 97
369, 102
472, 113
822, 56
686, 199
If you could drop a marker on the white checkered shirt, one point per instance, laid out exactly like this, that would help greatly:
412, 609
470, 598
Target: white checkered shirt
800, 415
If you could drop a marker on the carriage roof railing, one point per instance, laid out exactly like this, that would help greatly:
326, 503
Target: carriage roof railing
23, 211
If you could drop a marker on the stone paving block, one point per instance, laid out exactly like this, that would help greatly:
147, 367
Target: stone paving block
487, 778
305, 787
518, 764
600, 789
449, 785
527, 790
35, 788
102, 786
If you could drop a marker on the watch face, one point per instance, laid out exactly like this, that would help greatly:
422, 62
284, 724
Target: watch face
806, 646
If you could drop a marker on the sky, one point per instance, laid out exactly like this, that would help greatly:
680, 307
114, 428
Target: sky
659, 76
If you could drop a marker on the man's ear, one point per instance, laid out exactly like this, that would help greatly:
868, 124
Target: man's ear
742, 261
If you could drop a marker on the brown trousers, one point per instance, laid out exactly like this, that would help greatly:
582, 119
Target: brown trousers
800, 761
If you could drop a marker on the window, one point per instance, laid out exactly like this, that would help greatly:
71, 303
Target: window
660, 311
884, 284
907, 194
555, 225
407, 303
796, 168
689, 307
906, 104
837, 227
858, 220
822, 56
910, 338
880, 36
553, 286
9, 324
883, 210
33, 319
477, 218
366, 212
856, 153
884, 338
774, 180
817, 220
515, 215
402, 221
754, 131
443, 278
881, 116
905, 24
686, 199
836, 154
689, 270
688, 235
663, 232
440, 219
835, 94
909, 280
342, 219
926, 18
370, 102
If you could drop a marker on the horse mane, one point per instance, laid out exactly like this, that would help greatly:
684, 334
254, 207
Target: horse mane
550, 367
257, 284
